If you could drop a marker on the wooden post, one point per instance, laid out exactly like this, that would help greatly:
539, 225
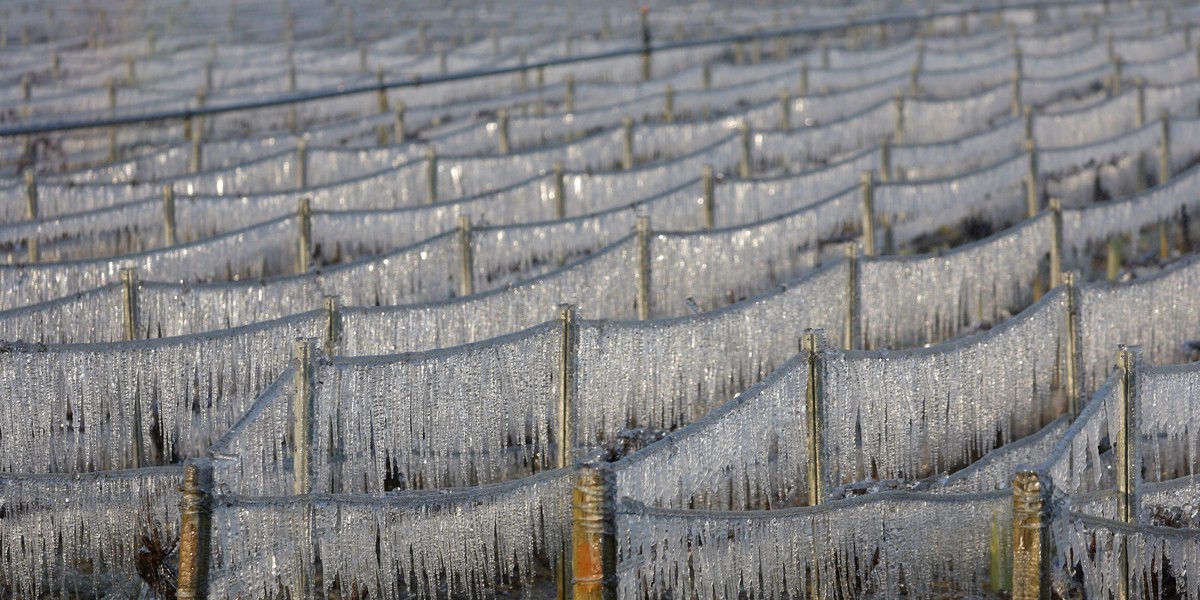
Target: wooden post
708, 196
197, 156
1139, 115
1031, 547
31, 211
1056, 246
304, 251
627, 143
898, 103
1164, 147
560, 190
885, 159
593, 534
706, 75
669, 104
569, 93
745, 165
812, 345
1073, 368
785, 110
195, 532
1114, 258
564, 431
1115, 82
292, 123
1128, 458
381, 98
868, 213
1016, 87
431, 170
55, 66
502, 130
301, 164
803, 91
302, 417
914, 75
129, 302
466, 263
1164, 240
333, 324
852, 334
1033, 196
168, 215
642, 229
398, 123
112, 131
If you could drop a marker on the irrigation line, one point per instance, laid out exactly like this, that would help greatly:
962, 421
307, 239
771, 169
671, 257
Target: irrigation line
418, 81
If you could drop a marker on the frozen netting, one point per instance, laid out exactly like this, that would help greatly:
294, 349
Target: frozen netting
474, 414
1037, 91
869, 546
129, 228
1170, 444
663, 374
461, 541
1114, 167
750, 200
1097, 223
1088, 124
109, 406
914, 162
1082, 460
88, 535
993, 194
711, 267
260, 250
996, 469
255, 457
942, 120
750, 452
908, 414
91, 316
1163, 561
945, 294
1156, 312
1185, 143
813, 145
603, 285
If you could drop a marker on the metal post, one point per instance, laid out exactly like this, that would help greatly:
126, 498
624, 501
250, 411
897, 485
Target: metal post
898, 102
502, 130
627, 143
129, 302
560, 190
304, 251
431, 170
812, 345
1164, 147
1128, 457
745, 164
852, 333
333, 324
466, 264
593, 534
1032, 188
868, 213
398, 123
302, 417
1056, 245
708, 196
785, 110
1031, 550
642, 229
31, 211
168, 215
669, 104
569, 94
195, 532
301, 164
1073, 369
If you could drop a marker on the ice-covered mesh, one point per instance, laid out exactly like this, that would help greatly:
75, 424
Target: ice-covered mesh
994, 194
908, 414
948, 293
469, 541
603, 285
914, 162
1162, 560
90, 316
749, 200
1155, 312
863, 547
663, 374
1168, 427
996, 469
87, 407
943, 120
82, 535
1041, 91
748, 453
255, 457
1087, 124
813, 145
1071, 173
1080, 461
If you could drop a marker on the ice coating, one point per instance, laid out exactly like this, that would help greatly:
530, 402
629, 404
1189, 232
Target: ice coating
1095, 543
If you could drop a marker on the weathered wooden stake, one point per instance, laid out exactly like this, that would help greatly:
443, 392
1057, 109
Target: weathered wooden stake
466, 263
1164, 147
898, 104
431, 177
669, 104
569, 93
708, 196
642, 230
1032, 555
168, 215
305, 248
1164, 240
1128, 457
593, 534
803, 90
627, 143
195, 532
1073, 368
745, 165
852, 333
302, 416
885, 159
1056, 244
868, 213
398, 123
301, 164
560, 190
785, 110
129, 302
333, 324
812, 345
31, 211
502, 131
1033, 196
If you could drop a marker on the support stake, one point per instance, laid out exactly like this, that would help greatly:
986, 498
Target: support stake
1128, 458
129, 302
708, 196
785, 110
642, 229
745, 164
502, 131
669, 104
1032, 187
1073, 369
168, 215
195, 531
852, 333
1032, 555
627, 143
593, 534
1164, 147
304, 224
302, 417
812, 345
31, 211
301, 164
868, 213
1056, 245
560, 190
333, 325
431, 170
398, 123
466, 264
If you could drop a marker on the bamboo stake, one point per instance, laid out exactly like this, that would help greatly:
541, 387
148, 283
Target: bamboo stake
898, 103
560, 190
195, 530
642, 229
593, 534
1031, 545
564, 433
168, 215
302, 417
304, 251
1114, 258
31, 211
466, 264
708, 196
852, 333
868, 213
333, 324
